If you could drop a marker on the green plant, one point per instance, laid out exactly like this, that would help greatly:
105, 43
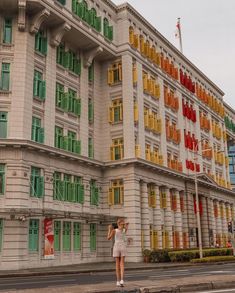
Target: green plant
213, 259
160, 255
146, 252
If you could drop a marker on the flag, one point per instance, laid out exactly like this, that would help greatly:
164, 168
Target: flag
177, 31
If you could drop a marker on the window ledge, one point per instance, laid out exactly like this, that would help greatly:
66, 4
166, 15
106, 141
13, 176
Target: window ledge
5, 92
39, 99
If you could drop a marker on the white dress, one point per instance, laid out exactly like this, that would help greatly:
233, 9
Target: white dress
119, 248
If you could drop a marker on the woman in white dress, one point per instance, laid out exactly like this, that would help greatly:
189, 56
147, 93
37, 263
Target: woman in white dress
119, 248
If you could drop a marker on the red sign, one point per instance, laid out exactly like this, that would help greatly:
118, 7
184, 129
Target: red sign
49, 239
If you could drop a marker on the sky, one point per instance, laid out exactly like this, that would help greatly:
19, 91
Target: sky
208, 34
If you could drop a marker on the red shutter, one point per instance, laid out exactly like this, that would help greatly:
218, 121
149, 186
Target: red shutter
200, 207
194, 206
181, 76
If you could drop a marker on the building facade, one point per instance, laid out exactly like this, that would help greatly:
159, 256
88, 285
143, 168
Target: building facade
102, 117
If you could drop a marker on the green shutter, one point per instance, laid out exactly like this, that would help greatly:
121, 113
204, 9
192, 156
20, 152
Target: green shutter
42, 94
66, 59
90, 148
5, 77
57, 233
74, 6
1, 233
44, 46
41, 135
7, 31
77, 107
65, 143
98, 23
92, 237
110, 33
2, 179
65, 102
77, 147
66, 236
77, 66
41, 187
81, 194
76, 236
33, 234
91, 72
90, 111
3, 124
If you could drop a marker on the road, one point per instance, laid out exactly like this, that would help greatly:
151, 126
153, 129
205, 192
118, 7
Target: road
230, 290
103, 277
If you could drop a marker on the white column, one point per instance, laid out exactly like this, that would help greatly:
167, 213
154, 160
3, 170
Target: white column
212, 220
178, 219
168, 217
145, 215
204, 223
157, 220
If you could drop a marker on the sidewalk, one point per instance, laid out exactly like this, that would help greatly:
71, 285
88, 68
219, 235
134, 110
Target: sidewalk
184, 284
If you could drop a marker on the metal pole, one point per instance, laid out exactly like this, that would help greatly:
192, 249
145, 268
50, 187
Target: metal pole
180, 36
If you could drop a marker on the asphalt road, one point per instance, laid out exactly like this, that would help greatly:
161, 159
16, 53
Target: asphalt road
230, 290
102, 277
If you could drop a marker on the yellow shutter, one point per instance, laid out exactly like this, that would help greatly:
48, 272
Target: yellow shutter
111, 196
121, 195
121, 111
145, 81
112, 153
111, 114
134, 74
136, 114
155, 239
153, 199
137, 151
120, 71
110, 77
131, 36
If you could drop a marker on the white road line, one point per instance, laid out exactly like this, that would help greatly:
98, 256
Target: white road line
218, 291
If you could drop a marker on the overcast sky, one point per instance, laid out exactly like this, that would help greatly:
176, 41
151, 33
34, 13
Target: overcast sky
208, 34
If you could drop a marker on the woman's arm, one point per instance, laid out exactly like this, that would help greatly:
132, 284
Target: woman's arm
126, 227
111, 232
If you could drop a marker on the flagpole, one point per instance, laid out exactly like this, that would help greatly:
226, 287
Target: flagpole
180, 36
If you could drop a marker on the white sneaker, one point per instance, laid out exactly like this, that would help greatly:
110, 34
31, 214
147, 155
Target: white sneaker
122, 283
118, 284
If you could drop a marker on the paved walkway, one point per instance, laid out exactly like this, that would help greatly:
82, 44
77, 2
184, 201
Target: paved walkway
185, 284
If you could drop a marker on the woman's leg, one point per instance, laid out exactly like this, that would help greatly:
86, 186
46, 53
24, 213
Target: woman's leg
122, 267
118, 268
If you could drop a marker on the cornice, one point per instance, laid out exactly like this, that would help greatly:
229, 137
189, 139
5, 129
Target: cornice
148, 25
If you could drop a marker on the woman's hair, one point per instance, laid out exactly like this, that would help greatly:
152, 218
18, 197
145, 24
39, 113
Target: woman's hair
120, 220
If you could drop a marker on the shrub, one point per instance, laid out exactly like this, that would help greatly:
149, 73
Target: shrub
159, 255
213, 259
187, 255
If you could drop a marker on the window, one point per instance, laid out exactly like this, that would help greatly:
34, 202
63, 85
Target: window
67, 187
37, 132
67, 236
74, 104
91, 72
116, 192
2, 179
92, 237
79, 190
36, 183
61, 55
59, 95
173, 201
90, 111
33, 234
5, 77
57, 235
151, 196
58, 137
1, 233
41, 42
116, 111
3, 124
94, 193
115, 73
76, 236
163, 199
57, 186
7, 31
63, 2
108, 30
39, 86
116, 150
90, 147
74, 64
72, 142
89, 16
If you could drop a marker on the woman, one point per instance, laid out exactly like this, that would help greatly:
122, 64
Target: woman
119, 248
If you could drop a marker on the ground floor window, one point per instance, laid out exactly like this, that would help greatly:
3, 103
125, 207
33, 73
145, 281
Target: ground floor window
33, 234
92, 237
67, 236
1, 233
57, 234
76, 236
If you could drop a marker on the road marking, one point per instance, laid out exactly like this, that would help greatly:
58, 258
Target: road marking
218, 291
